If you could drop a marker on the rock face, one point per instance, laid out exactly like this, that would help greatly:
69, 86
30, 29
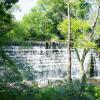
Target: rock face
40, 64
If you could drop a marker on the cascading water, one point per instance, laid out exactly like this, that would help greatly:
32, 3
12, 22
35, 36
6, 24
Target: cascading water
39, 64
97, 65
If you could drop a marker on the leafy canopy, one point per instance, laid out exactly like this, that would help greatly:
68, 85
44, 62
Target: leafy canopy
41, 23
80, 30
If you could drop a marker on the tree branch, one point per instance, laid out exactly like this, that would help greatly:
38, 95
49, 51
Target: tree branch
77, 54
95, 22
85, 51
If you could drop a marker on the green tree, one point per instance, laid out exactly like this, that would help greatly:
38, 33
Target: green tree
5, 17
54, 10
37, 25
83, 37
18, 33
43, 19
69, 42
8, 70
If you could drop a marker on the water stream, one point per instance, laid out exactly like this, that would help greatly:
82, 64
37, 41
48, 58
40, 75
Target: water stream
40, 64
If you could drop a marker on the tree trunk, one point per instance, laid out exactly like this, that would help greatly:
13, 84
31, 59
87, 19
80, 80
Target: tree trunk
82, 72
81, 61
69, 45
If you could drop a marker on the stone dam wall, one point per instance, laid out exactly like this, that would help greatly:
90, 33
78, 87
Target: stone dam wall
40, 64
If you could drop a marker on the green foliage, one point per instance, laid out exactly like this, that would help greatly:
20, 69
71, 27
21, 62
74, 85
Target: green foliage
98, 29
77, 26
5, 17
8, 70
18, 33
80, 30
97, 35
97, 92
70, 92
41, 23
37, 25
97, 41
79, 8
62, 91
18, 91
84, 41
82, 9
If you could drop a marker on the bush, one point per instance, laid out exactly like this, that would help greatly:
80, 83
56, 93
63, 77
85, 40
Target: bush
65, 91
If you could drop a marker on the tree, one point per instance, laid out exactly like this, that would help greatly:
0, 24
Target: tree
18, 33
37, 25
55, 10
7, 66
69, 44
91, 38
5, 17
44, 18
74, 26
78, 34
83, 37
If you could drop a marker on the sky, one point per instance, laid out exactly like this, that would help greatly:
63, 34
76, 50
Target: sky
25, 7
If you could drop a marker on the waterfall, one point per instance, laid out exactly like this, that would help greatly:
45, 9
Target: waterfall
97, 65
39, 64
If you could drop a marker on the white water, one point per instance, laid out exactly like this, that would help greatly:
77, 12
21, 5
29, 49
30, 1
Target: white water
40, 64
